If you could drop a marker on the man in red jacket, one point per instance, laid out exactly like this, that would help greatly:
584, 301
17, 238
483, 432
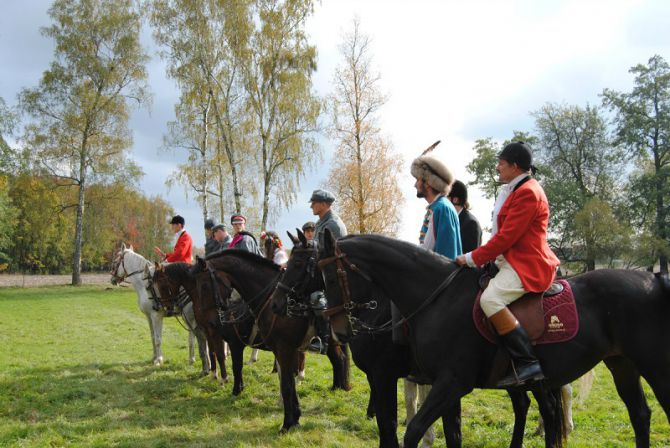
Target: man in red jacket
183, 248
519, 247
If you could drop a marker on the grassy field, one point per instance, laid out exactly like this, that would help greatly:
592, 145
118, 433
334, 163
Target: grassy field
75, 370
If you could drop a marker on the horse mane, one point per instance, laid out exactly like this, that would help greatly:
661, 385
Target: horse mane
410, 250
178, 271
244, 255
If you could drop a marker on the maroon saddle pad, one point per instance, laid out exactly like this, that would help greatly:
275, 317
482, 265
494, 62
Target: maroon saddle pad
559, 311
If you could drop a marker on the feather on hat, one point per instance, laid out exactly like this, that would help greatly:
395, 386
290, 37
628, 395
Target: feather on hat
432, 171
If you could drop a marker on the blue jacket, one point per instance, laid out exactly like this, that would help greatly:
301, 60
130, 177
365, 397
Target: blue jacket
447, 229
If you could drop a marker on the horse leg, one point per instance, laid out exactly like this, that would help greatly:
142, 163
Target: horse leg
411, 399
451, 424
449, 430
627, 382
216, 346
444, 394
384, 399
551, 409
585, 386
156, 324
658, 380
301, 365
520, 405
254, 356
191, 347
203, 350
237, 353
288, 360
339, 358
566, 396
370, 412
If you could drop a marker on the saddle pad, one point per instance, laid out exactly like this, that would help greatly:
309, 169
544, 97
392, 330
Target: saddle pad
561, 321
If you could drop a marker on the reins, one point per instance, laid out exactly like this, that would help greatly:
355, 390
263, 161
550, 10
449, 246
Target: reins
348, 305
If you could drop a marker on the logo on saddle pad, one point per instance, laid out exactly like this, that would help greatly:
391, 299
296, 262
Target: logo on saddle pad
555, 324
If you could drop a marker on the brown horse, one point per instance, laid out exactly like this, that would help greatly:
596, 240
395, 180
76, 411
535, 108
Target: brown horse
255, 278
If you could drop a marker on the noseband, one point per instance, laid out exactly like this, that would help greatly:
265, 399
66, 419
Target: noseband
121, 263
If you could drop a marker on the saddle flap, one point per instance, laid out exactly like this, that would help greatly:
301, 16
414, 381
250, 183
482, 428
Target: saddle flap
530, 313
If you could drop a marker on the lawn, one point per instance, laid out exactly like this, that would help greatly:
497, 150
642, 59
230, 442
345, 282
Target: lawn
75, 370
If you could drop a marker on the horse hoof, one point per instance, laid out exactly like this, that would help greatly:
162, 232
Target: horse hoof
158, 361
301, 375
223, 380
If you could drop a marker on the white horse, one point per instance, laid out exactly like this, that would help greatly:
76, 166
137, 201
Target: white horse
130, 266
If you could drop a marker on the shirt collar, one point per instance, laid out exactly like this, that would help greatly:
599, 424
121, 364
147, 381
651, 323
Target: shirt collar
178, 234
514, 182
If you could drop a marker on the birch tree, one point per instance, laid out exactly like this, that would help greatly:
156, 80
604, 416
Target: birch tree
81, 107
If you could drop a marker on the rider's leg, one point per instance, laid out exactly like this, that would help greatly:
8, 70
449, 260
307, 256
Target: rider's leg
505, 288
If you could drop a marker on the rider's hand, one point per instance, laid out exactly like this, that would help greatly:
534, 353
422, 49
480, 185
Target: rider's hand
159, 251
460, 260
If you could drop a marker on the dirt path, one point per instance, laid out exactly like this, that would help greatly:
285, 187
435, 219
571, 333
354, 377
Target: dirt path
28, 281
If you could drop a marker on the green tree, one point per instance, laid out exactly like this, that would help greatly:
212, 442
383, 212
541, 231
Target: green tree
642, 119
365, 169
483, 165
582, 164
81, 106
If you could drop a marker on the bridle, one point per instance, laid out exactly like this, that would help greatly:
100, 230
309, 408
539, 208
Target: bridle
175, 300
120, 262
348, 305
296, 295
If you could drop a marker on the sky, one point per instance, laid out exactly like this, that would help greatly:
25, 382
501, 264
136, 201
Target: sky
454, 71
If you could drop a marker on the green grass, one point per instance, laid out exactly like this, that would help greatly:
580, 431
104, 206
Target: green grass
75, 370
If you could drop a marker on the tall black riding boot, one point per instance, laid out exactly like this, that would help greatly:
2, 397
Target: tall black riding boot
525, 365
319, 343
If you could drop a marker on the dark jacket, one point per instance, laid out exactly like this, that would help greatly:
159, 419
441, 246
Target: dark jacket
471, 232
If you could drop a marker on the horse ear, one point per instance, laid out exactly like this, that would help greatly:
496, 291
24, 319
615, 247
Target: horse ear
200, 262
329, 242
123, 246
303, 238
295, 240
131, 248
158, 266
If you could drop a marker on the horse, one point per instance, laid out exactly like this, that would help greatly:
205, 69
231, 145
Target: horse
255, 277
374, 352
131, 266
210, 315
623, 322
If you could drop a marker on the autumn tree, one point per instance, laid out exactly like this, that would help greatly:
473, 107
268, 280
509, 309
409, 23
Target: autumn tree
365, 169
80, 109
642, 119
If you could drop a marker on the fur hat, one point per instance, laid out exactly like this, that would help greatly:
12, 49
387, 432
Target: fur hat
433, 172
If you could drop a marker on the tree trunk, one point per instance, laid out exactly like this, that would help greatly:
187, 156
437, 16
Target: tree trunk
660, 210
79, 226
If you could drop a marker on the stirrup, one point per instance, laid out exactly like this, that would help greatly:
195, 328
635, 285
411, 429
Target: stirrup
524, 375
316, 345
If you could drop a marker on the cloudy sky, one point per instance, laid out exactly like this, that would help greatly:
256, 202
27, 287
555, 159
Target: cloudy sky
454, 71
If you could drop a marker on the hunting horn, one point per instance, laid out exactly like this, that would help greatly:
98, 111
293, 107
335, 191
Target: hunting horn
430, 148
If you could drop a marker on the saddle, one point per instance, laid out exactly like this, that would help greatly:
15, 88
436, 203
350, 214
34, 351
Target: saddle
547, 317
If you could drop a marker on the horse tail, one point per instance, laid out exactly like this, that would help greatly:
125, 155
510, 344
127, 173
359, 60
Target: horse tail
560, 434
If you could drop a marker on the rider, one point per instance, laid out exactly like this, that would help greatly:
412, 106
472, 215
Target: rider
211, 245
471, 231
440, 231
221, 237
321, 202
183, 248
242, 239
519, 247
274, 248
309, 228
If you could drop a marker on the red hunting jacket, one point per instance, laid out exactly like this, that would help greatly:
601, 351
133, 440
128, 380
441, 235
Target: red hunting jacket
522, 237
182, 250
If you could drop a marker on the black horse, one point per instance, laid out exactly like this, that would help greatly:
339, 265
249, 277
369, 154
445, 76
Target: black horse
254, 277
373, 350
623, 322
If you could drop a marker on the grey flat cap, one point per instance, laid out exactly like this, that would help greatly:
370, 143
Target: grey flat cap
218, 227
322, 196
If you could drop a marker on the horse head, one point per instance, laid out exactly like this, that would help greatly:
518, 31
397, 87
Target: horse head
300, 277
346, 288
211, 284
125, 264
165, 288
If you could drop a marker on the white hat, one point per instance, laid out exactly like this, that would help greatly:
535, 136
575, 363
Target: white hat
433, 172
